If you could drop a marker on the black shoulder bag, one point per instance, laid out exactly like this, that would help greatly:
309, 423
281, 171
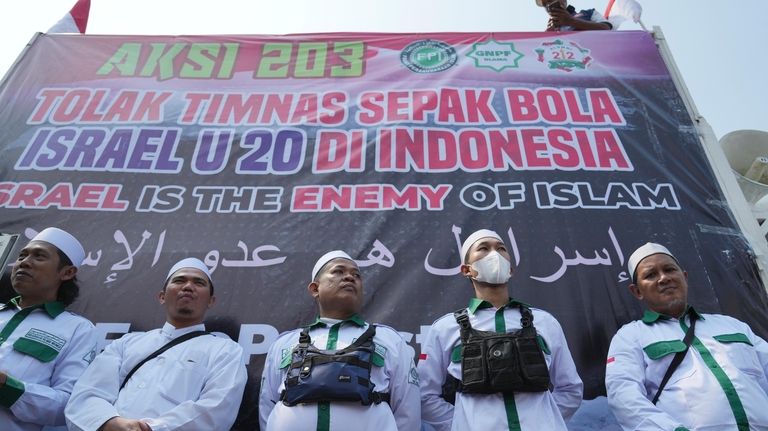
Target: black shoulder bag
159, 351
688, 339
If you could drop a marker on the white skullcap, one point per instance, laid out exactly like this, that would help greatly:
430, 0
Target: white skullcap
64, 241
482, 233
647, 249
327, 257
190, 262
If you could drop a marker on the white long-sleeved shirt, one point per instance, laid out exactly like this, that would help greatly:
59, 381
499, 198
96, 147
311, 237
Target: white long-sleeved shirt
196, 385
397, 376
43, 357
694, 397
547, 410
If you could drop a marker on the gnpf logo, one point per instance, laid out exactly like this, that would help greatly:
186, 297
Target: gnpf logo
428, 56
495, 55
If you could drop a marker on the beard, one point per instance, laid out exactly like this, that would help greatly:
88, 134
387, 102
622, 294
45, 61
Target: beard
185, 311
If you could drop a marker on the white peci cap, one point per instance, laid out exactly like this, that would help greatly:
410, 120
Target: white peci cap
477, 235
327, 257
64, 241
647, 249
190, 262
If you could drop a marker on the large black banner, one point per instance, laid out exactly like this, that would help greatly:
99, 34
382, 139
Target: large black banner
259, 154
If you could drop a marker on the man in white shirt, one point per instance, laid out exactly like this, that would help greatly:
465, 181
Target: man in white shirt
481, 403
43, 348
720, 384
375, 388
196, 384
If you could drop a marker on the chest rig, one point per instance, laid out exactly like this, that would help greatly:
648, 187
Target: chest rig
492, 362
317, 375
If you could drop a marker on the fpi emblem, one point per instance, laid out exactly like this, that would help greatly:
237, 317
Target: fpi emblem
428, 56
495, 55
564, 55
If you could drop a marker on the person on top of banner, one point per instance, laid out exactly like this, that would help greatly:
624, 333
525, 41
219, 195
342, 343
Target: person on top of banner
43, 348
564, 17
339, 372
497, 359
173, 378
679, 369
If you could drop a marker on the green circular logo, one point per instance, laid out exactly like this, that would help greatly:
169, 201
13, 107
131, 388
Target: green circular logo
428, 56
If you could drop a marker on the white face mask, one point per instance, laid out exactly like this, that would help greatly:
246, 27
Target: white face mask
492, 269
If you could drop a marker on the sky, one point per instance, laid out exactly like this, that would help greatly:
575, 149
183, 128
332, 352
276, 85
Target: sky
720, 49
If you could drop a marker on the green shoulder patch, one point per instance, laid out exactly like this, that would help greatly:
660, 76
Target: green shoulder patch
413, 376
456, 354
543, 344
379, 354
285, 358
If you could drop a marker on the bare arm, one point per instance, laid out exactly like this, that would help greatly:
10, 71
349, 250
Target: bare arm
560, 17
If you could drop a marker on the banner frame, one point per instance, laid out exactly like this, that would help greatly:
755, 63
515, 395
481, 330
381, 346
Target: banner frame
740, 208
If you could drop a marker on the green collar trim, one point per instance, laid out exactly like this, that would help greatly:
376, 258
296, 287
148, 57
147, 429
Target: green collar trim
356, 319
53, 308
651, 317
477, 304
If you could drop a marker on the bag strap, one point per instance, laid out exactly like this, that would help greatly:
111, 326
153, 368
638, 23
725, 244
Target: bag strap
362, 339
304, 337
526, 321
462, 318
306, 341
677, 359
159, 351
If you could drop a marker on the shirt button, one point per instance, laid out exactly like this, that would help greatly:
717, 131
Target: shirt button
142, 385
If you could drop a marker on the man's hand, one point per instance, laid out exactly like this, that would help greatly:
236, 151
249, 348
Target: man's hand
551, 25
122, 424
3, 378
559, 17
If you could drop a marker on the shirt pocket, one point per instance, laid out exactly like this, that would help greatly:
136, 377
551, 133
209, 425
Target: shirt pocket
660, 354
184, 377
660, 349
35, 349
739, 352
40, 345
35, 356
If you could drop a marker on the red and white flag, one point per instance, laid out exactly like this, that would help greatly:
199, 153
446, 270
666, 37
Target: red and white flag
619, 11
75, 21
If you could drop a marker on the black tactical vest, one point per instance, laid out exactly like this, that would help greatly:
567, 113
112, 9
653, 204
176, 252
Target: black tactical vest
492, 362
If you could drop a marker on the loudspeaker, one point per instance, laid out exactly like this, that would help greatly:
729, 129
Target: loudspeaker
747, 153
